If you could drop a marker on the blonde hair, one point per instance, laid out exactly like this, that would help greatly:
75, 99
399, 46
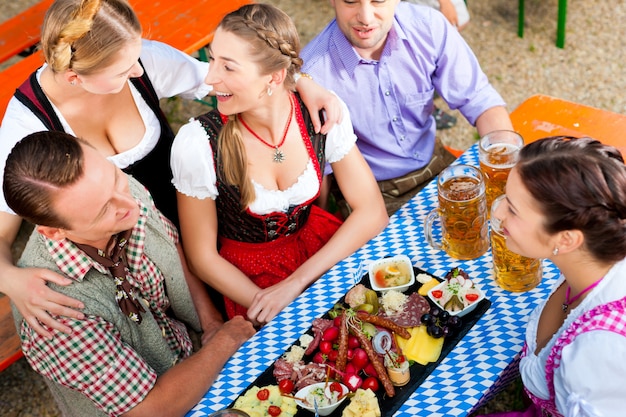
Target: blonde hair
86, 35
274, 45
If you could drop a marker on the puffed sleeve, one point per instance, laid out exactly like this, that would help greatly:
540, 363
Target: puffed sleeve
173, 72
192, 162
340, 138
591, 378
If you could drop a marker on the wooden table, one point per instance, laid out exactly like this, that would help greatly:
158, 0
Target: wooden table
484, 360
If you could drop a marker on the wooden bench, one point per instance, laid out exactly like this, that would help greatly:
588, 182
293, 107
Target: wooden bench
187, 26
540, 116
22, 31
10, 350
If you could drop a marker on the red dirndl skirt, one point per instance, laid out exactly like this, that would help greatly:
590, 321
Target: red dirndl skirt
269, 263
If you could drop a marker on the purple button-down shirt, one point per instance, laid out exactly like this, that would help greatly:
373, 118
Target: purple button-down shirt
391, 100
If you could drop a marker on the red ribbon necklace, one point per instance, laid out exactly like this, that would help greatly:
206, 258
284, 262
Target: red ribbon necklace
569, 301
279, 155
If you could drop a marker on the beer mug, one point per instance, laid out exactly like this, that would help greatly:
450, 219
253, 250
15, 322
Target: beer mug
498, 152
512, 272
462, 212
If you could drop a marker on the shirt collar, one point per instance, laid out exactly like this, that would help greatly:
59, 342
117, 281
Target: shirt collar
343, 51
74, 263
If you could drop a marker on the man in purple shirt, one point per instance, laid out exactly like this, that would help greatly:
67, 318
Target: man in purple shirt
386, 59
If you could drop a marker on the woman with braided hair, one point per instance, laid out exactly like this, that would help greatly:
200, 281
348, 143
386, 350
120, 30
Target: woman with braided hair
248, 173
566, 201
102, 82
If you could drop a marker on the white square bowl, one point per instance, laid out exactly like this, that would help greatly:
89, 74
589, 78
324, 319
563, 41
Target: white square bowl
399, 265
468, 309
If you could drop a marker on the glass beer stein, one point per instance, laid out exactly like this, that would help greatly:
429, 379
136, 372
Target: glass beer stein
462, 212
512, 272
498, 152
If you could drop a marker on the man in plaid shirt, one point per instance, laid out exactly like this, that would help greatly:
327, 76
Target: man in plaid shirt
112, 363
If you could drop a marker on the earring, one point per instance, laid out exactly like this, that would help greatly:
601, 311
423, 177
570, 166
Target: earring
555, 251
269, 91
73, 82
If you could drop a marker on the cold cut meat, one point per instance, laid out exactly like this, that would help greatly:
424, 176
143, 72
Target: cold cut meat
342, 351
412, 311
383, 376
384, 322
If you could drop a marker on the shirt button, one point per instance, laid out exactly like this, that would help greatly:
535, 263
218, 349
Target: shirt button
395, 119
387, 93
402, 137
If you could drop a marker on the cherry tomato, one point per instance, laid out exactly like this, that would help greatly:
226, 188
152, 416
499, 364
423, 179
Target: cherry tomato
471, 297
335, 387
274, 410
437, 293
371, 383
263, 394
331, 334
286, 386
325, 347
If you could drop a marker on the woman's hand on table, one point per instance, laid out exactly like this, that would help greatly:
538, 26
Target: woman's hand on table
268, 302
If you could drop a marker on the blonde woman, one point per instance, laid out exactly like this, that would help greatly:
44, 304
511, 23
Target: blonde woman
248, 173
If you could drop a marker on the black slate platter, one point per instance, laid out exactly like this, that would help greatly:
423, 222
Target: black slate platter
389, 405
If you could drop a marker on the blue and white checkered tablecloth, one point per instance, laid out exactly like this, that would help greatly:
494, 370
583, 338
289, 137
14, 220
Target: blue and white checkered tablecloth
461, 380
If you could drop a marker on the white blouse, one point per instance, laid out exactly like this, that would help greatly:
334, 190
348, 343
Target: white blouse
194, 171
591, 378
171, 72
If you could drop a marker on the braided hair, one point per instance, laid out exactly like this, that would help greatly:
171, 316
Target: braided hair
579, 184
86, 35
274, 46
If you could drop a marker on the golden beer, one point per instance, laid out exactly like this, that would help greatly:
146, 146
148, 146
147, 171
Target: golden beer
512, 272
498, 152
463, 212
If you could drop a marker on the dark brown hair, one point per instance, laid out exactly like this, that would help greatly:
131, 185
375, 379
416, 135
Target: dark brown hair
38, 165
579, 184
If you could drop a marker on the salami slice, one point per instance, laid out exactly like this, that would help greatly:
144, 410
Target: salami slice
415, 306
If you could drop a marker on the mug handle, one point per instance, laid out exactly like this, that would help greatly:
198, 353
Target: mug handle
429, 220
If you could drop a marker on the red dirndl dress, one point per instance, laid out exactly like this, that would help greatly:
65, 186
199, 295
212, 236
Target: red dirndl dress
268, 248
268, 263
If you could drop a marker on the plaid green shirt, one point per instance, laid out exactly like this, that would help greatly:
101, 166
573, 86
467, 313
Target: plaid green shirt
93, 359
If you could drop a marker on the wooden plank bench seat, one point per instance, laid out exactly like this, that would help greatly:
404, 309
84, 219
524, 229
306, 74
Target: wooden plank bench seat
22, 31
187, 26
541, 116
10, 350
